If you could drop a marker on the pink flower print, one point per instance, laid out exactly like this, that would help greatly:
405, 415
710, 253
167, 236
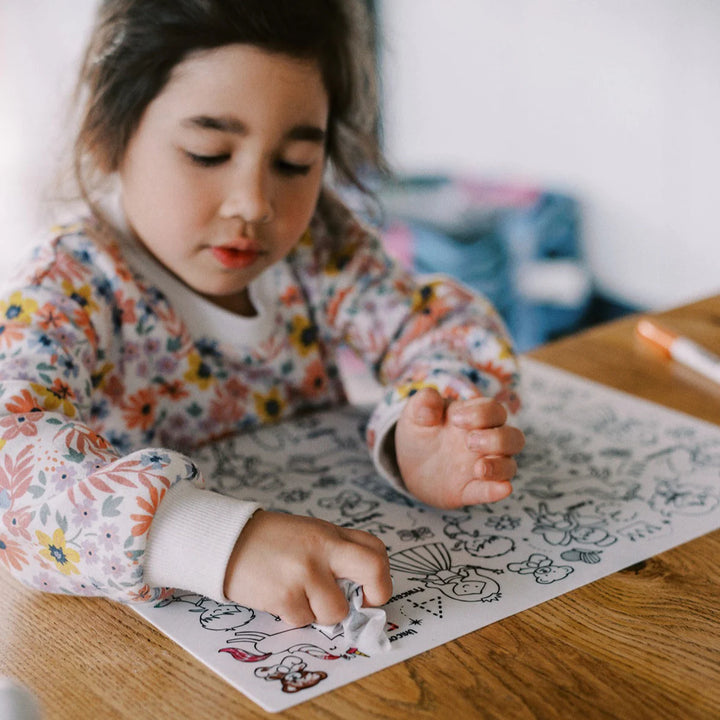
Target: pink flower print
85, 514
108, 536
88, 552
47, 582
131, 351
113, 566
166, 365
17, 522
12, 427
151, 346
11, 554
11, 333
64, 478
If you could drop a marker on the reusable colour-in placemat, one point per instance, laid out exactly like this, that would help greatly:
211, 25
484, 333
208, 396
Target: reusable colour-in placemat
606, 480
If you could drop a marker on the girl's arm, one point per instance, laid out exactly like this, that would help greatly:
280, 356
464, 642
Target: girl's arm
77, 516
429, 334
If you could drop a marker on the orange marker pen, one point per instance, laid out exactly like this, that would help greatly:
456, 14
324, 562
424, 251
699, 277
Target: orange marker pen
681, 349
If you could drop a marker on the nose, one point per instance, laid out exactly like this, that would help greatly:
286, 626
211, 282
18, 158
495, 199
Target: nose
248, 196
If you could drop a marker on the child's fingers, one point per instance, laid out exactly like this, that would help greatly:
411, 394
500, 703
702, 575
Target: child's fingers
497, 468
364, 560
479, 492
293, 606
505, 440
426, 407
327, 601
477, 413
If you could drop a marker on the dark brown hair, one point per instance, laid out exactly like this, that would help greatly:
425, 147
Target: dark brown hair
136, 44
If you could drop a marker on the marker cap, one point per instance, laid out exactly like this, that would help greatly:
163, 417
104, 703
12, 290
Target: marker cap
660, 337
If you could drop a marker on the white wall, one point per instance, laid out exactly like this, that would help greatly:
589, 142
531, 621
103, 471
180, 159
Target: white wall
617, 101
41, 42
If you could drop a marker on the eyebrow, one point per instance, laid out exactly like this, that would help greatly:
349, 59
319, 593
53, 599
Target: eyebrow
229, 124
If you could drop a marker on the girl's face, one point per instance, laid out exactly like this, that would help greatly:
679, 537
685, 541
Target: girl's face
222, 175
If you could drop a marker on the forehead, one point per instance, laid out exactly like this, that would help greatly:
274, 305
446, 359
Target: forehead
247, 81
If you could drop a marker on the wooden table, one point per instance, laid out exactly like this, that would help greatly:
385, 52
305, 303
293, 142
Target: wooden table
642, 643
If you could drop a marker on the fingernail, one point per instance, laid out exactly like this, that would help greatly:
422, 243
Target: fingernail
424, 415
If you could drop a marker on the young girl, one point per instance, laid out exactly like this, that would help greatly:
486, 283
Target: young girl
208, 291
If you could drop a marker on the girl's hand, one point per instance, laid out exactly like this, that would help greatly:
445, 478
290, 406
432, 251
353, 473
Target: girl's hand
288, 565
459, 454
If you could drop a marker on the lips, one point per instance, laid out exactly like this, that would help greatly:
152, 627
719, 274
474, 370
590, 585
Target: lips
235, 256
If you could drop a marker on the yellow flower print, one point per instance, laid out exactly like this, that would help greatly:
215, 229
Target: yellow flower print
269, 407
506, 350
405, 391
18, 308
82, 296
339, 259
199, 372
55, 550
2, 443
99, 377
303, 334
306, 239
58, 395
423, 296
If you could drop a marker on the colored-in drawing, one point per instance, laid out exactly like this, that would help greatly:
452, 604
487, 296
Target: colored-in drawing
591, 557
542, 568
458, 582
562, 528
258, 646
291, 673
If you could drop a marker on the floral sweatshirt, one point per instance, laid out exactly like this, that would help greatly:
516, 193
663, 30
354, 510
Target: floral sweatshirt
112, 371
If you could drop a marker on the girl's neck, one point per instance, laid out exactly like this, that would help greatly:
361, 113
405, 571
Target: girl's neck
239, 303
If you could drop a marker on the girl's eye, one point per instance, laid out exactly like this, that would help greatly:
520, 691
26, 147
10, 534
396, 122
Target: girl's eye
208, 160
291, 169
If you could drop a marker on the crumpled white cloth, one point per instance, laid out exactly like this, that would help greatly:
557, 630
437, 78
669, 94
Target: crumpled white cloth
363, 627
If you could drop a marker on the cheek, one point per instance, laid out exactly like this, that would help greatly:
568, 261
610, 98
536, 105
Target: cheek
298, 207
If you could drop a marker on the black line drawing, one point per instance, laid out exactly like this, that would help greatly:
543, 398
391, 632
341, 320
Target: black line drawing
562, 528
432, 605
683, 499
475, 544
234, 470
642, 530
213, 615
350, 503
542, 568
416, 534
503, 522
458, 582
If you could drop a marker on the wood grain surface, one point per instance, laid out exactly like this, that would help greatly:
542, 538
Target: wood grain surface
641, 643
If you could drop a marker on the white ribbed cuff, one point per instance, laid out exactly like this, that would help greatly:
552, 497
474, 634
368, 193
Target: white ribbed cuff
191, 538
384, 451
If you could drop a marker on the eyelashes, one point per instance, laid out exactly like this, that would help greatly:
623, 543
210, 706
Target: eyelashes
207, 160
282, 166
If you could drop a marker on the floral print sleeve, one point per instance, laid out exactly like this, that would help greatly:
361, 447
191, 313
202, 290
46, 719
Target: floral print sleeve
74, 512
412, 332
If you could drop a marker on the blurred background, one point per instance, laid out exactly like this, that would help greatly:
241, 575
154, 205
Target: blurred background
559, 155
